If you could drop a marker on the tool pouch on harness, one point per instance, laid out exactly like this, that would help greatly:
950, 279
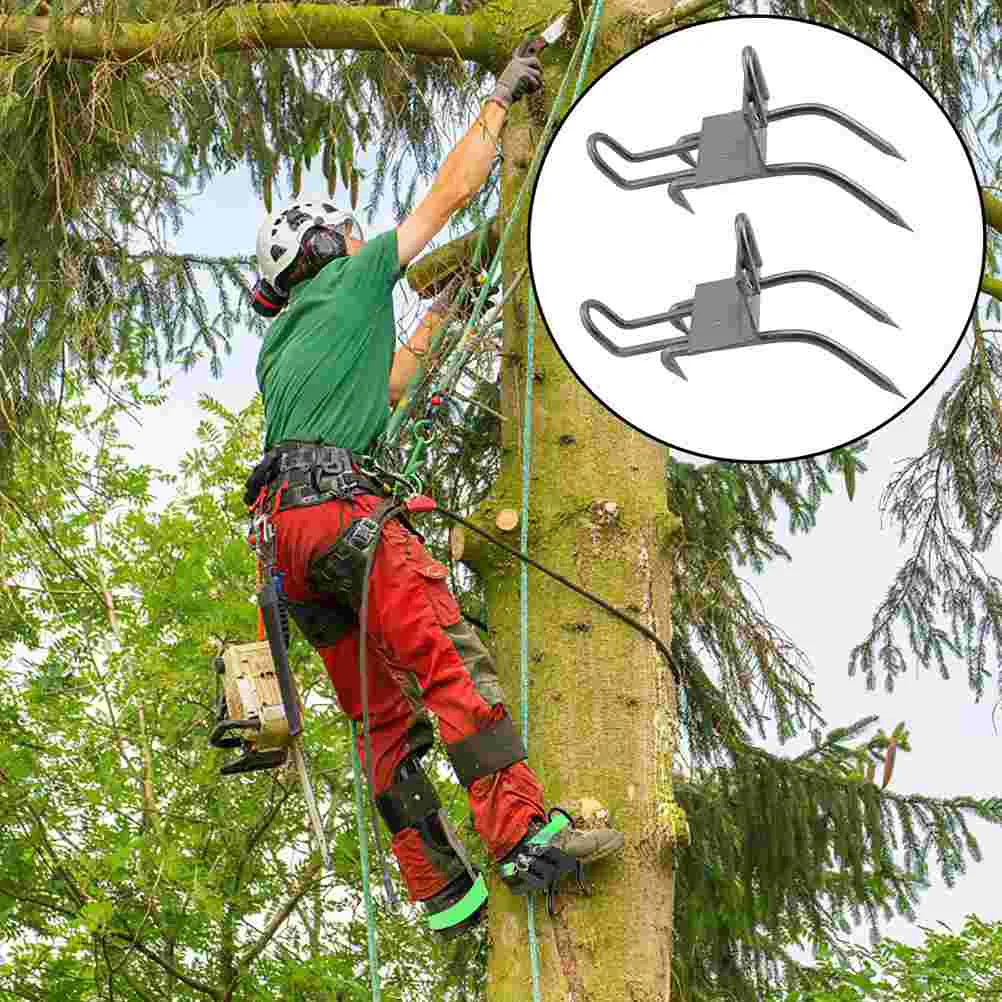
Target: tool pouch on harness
339, 571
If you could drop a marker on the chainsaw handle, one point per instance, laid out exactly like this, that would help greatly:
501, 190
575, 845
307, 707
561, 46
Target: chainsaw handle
218, 737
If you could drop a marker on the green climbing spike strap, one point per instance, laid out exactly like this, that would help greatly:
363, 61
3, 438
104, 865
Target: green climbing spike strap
462, 909
542, 837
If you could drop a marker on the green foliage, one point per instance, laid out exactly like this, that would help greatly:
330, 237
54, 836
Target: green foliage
729, 512
959, 967
128, 866
948, 503
105, 890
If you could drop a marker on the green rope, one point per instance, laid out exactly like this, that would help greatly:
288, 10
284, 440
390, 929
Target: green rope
595, 17
523, 590
363, 852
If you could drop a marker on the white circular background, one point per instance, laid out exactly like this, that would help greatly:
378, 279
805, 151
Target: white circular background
638, 252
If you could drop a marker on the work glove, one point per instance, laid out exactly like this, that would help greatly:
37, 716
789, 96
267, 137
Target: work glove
523, 75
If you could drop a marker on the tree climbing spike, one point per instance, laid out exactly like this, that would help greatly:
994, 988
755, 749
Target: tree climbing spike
732, 147
725, 314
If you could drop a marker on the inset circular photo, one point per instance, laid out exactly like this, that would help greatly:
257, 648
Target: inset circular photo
756, 239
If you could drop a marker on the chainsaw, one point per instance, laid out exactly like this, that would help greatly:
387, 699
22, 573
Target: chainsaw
259, 709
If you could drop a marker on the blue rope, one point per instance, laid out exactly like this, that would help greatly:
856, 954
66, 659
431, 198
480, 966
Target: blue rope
524, 597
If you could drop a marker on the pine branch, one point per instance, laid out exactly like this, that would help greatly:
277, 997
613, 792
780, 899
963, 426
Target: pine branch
992, 286
993, 210
432, 272
478, 36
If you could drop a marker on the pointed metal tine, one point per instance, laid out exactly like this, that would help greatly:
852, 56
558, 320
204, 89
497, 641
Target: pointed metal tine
845, 183
669, 361
840, 117
677, 195
833, 347
819, 278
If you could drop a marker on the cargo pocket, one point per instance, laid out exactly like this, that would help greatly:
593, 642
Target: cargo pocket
434, 578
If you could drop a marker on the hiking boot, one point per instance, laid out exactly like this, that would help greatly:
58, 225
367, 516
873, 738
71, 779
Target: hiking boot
585, 845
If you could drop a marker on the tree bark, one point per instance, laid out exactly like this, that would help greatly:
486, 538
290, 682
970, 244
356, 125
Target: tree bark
602, 710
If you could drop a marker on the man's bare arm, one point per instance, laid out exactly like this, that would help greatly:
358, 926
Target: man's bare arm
468, 166
409, 356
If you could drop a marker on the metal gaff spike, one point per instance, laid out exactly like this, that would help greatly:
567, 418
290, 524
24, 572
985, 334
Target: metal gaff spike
724, 315
732, 147
826, 111
689, 180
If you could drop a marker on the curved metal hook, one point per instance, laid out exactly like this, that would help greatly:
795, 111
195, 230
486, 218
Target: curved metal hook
677, 311
756, 91
749, 258
679, 149
836, 349
669, 358
840, 117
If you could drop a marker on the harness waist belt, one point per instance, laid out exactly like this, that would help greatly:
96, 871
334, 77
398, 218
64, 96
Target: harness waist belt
311, 474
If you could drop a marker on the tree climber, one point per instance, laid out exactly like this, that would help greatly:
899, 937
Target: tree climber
328, 373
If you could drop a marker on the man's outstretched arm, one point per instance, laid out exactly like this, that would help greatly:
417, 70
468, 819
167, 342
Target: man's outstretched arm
467, 167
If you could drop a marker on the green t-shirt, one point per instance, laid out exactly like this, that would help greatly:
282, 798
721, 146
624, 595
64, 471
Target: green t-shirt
324, 367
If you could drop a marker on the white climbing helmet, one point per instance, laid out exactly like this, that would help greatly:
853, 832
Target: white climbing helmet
280, 235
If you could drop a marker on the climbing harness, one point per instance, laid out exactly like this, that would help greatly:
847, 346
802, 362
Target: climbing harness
732, 147
725, 314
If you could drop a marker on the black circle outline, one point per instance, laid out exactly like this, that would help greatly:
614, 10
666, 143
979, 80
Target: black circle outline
850, 441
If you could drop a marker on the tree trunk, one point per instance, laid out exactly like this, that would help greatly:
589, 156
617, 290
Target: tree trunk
602, 711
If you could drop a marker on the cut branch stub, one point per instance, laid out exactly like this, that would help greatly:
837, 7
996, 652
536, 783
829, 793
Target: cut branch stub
507, 519
475, 551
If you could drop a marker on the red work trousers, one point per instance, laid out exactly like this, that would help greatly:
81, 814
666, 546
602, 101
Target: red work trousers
410, 609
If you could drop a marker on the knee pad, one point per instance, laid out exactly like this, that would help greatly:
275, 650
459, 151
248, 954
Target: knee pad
412, 802
488, 751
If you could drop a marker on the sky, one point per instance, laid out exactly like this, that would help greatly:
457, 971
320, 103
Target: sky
824, 599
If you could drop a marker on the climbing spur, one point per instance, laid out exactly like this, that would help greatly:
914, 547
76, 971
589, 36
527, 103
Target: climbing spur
725, 314
732, 148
